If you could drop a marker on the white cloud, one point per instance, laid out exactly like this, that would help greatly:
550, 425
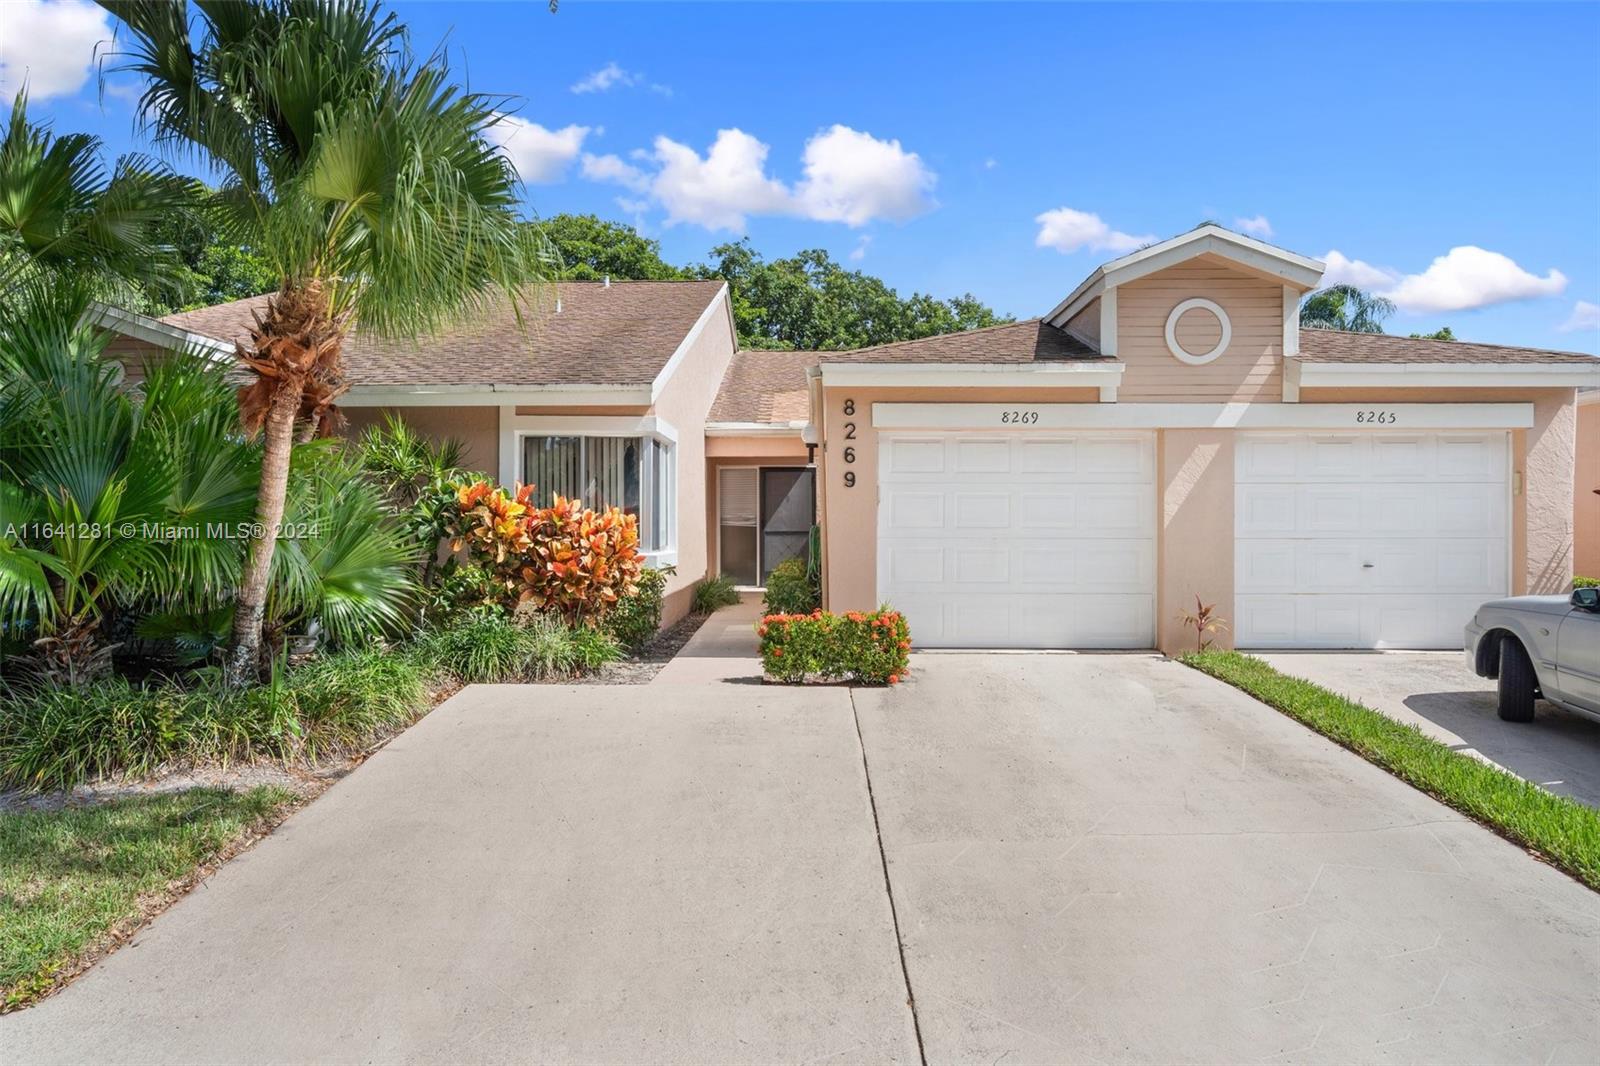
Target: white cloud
990, 163
1344, 271
49, 46
1585, 316
859, 252
1257, 226
847, 176
607, 77
718, 191
1467, 277
616, 170
1067, 230
852, 177
540, 155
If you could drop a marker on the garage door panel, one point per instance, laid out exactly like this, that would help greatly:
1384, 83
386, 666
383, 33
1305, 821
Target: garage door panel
982, 457
1265, 510
1026, 541
1397, 554
982, 510
914, 456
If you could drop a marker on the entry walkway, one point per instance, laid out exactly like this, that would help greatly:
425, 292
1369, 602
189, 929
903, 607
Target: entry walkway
725, 649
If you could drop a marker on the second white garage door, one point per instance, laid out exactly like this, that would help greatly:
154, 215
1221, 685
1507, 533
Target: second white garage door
1377, 540
1019, 541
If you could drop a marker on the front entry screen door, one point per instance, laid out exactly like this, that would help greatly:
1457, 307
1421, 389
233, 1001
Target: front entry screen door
788, 509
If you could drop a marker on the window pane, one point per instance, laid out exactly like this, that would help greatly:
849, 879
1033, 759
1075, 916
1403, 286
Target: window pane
553, 465
611, 473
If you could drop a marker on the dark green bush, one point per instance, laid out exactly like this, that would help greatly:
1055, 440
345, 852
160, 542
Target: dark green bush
715, 592
871, 648
484, 647
635, 619
790, 590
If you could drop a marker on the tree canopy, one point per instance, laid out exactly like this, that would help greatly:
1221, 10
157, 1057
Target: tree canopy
806, 301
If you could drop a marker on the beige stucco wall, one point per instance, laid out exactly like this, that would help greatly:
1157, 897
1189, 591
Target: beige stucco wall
850, 529
1194, 537
1251, 369
743, 451
1586, 489
685, 403
478, 428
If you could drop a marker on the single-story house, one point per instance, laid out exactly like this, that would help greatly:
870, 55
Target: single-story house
1166, 432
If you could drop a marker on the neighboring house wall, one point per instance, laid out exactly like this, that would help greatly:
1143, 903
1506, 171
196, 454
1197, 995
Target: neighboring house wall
1586, 488
477, 428
685, 403
1250, 370
134, 354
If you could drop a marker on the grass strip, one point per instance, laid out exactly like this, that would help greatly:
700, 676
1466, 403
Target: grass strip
1563, 830
75, 880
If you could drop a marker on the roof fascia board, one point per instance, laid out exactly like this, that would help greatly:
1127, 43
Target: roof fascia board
153, 330
497, 396
756, 429
1314, 375
945, 375
718, 302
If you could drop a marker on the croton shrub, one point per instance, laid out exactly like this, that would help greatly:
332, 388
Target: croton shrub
872, 648
565, 558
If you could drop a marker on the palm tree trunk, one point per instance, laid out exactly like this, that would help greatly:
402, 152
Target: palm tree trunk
242, 665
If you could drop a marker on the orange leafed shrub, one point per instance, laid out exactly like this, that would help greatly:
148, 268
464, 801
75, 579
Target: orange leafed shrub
564, 558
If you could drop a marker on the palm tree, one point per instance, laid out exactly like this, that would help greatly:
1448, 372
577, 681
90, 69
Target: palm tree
1347, 308
63, 218
109, 494
362, 175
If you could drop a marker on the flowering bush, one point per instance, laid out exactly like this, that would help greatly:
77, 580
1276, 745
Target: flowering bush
564, 558
872, 648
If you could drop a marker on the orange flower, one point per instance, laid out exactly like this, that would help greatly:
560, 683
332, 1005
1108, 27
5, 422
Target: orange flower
894, 679
777, 653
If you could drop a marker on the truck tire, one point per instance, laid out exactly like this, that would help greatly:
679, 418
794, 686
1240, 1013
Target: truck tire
1517, 682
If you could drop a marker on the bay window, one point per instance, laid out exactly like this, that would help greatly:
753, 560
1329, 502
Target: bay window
633, 474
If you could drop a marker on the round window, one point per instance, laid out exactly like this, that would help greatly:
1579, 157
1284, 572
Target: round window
1205, 321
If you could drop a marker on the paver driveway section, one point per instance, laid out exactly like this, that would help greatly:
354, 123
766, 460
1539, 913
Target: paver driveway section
1114, 858
535, 874
1437, 693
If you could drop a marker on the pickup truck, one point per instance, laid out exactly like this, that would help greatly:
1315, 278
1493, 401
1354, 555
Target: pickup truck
1540, 646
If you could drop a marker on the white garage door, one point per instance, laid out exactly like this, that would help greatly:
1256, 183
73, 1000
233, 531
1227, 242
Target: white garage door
1367, 540
1019, 541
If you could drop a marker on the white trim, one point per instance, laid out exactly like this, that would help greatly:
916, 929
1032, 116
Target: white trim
1314, 375
1197, 303
1069, 375
153, 330
1108, 323
756, 429
513, 427
1296, 270
1397, 417
1291, 381
675, 360
496, 396
1291, 322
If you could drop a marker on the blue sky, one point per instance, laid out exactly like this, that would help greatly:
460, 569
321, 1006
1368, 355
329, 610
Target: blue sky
1450, 155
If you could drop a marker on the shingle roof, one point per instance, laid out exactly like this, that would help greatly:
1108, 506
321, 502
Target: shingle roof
1015, 342
617, 335
1336, 346
765, 387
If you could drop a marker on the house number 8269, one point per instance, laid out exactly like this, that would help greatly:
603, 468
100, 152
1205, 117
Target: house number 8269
849, 453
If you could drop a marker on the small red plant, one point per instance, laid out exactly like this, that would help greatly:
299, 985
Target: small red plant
1205, 622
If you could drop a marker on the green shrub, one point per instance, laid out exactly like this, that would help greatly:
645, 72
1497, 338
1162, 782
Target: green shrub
484, 647
636, 618
870, 648
551, 649
594, 647
1586, 582
341, 702
790, 590
715, 592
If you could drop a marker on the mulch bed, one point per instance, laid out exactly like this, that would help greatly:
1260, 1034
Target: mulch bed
641, 667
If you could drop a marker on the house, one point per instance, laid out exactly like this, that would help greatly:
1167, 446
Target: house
1166, 432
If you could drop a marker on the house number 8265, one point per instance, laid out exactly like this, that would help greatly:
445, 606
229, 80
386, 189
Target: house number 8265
1378, 418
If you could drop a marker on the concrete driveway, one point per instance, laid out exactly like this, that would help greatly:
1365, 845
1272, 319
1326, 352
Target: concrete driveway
1437, 693
1088, 858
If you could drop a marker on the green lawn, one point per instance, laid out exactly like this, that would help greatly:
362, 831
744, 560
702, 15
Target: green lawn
71, 878
1563, 830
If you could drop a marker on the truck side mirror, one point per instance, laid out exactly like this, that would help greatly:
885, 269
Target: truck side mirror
1586, 599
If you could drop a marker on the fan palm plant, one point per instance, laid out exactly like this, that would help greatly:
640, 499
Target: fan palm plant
109, 495
364, 176
63, 216
1347, 308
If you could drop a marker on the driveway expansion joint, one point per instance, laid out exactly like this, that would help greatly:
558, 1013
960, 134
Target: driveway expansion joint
888, 888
